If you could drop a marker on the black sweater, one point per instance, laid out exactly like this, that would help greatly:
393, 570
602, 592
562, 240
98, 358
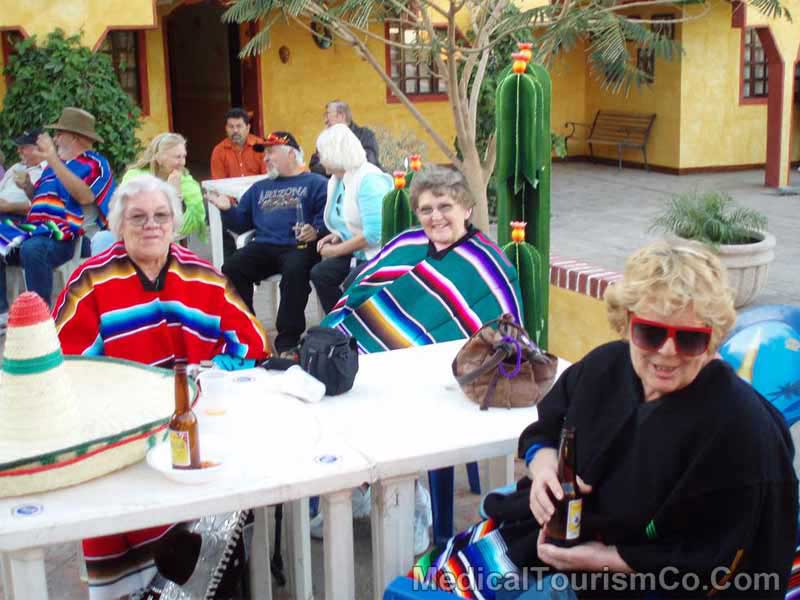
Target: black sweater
699, 481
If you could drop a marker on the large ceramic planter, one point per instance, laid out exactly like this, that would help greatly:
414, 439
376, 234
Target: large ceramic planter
748, 266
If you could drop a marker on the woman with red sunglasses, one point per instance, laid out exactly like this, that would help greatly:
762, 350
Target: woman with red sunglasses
685, 470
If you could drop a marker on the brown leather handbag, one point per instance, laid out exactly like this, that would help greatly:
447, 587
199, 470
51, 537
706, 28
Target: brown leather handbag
500, 365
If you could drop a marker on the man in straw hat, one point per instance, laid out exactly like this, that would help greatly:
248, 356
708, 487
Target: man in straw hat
76, 183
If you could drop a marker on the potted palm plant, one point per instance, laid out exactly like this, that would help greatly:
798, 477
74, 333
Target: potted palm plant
737, 234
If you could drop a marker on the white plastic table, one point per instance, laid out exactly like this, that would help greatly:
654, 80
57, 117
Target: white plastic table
234, 187
406, 414
279, 453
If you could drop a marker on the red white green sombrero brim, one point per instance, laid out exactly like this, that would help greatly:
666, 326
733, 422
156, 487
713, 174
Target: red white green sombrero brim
123, 410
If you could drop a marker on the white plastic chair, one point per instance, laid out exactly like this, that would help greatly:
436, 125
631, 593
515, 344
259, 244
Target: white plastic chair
15, 276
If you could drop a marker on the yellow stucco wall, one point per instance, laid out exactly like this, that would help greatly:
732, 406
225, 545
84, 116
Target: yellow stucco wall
294, 94
158, 118
91, 17
578, 323
662, 97
568, 74
715, 129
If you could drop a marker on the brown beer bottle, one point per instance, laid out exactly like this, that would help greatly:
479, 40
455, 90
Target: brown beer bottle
564, 528
184, 439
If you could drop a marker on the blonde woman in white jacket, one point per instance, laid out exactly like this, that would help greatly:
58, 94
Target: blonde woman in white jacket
352, 213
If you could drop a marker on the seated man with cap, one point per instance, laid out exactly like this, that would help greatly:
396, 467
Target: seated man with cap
286, 213
20, 178
76, 183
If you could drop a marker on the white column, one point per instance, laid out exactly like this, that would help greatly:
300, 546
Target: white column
260, 576
501, 472
298, 549
337, 532
392, 530
28, 575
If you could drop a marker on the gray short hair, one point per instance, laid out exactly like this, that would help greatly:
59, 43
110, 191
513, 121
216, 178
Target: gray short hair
441, 181
136, 186
339, 148
341, 108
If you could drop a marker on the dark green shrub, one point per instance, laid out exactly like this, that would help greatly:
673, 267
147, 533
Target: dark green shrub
62, 73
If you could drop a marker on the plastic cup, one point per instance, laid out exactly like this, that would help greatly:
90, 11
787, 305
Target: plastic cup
212, 407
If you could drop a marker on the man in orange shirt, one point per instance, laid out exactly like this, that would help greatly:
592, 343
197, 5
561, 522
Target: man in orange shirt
235, 156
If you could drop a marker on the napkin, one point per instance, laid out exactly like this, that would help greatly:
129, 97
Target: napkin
296, 382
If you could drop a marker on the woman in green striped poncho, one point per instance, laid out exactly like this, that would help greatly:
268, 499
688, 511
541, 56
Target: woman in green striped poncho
435, 283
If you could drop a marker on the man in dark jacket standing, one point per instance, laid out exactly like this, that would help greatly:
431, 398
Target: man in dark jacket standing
337, 111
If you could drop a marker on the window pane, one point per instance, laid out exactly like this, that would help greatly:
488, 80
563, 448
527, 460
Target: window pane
410, 70
411, 86
424, 86
759, 88
121, 46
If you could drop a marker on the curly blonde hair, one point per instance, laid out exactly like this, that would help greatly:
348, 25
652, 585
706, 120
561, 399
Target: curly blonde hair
665, 278
158, 145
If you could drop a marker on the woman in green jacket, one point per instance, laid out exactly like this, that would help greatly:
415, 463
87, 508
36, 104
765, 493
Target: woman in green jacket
165, 157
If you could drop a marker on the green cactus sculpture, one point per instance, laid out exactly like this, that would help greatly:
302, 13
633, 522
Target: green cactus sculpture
523, 182
528, 261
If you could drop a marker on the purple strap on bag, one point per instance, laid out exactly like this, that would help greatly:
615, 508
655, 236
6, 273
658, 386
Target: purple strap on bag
518, 365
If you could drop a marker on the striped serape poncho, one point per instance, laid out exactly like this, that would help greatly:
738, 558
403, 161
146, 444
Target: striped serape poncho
190, 311
412, 295
54, 212
105, 310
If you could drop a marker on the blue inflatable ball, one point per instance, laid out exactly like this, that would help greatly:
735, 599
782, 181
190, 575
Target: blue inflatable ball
767, 353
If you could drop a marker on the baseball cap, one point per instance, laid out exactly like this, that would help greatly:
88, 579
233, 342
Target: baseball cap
281, 138
28, 137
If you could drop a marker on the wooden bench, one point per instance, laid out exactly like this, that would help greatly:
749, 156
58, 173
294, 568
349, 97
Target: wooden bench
620, 129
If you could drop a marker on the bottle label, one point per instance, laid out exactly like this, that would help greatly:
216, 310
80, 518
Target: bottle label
574, 508
179, 444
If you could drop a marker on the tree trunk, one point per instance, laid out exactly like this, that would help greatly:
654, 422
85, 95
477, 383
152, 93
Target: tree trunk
472, 171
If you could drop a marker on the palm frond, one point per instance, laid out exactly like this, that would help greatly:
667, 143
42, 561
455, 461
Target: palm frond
709, 217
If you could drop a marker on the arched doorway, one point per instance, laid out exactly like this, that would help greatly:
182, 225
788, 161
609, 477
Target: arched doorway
206, 76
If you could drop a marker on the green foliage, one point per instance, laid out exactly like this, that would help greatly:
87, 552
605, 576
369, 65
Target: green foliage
62, 73
395, 149
709, 217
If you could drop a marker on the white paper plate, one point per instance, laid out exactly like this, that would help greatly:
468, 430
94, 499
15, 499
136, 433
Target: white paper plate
211, 449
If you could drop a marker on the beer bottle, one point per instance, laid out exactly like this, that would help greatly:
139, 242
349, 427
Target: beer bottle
184, 439
564, 527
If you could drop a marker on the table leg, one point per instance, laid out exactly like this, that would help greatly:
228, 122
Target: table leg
392, 530
501, 471
5, 576
260, 576
28, 575
298, 549
337, 531
215, 233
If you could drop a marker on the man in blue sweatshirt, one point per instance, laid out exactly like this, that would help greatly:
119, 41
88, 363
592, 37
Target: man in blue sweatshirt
286, 213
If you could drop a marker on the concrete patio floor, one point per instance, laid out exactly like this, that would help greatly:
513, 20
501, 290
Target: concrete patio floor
599, 215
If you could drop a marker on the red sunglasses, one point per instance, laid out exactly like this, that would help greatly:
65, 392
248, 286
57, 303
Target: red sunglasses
651, 335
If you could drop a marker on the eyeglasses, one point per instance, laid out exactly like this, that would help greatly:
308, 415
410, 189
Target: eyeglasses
444, 209
140, 220
652, 335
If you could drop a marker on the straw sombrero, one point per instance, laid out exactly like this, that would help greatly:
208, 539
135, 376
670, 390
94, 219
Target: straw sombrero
65, 420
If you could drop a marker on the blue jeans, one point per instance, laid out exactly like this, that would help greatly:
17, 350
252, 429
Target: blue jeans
38, 256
